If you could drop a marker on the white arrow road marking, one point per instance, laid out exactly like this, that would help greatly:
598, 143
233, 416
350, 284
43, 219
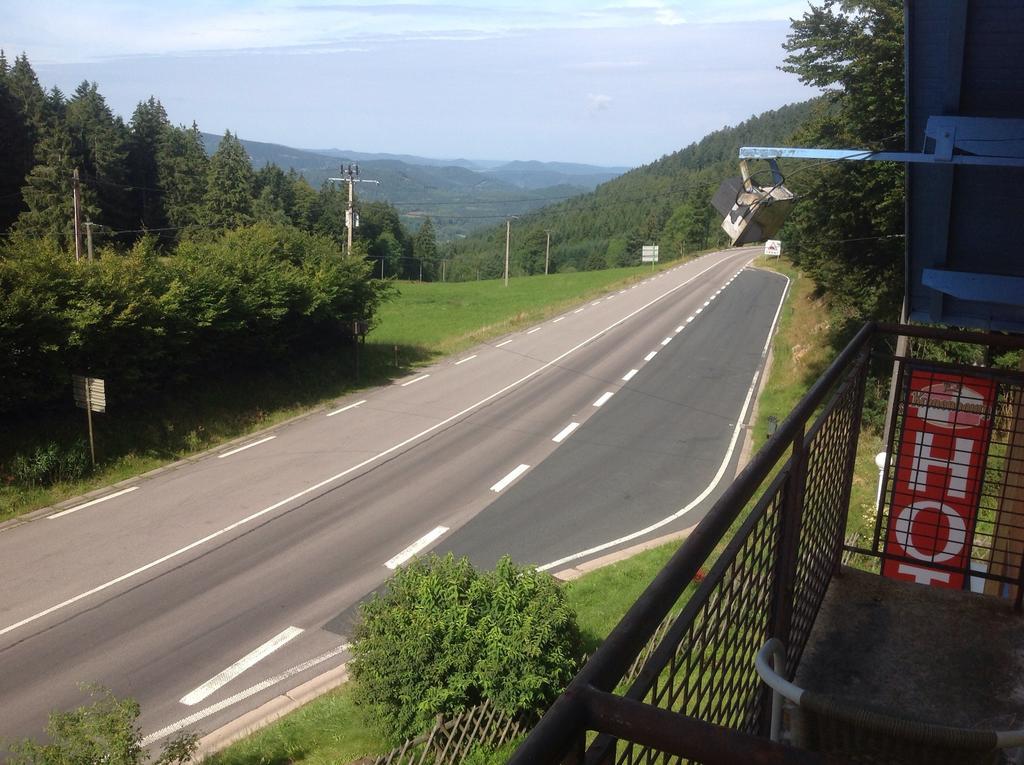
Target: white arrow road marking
223, 678
415, 547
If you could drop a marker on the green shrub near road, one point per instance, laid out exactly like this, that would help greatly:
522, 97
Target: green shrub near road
443, 637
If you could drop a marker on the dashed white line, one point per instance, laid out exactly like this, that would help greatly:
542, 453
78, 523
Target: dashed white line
415, 380
578, 310
650, 355
679, 328
603, 398
506, 342
629, 375
697, 311
689, 319
565, 432
722, 468
468, 358
504, 482
415, 547
76, 508
531, 331
707, 303
223, 678
560, 318
247, 446
666, 341
242, 695
346, 408
596, 302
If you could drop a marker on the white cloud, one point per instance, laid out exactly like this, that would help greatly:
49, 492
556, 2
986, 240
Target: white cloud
598, 102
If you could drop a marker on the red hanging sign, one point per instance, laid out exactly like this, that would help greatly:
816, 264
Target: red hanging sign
939, 473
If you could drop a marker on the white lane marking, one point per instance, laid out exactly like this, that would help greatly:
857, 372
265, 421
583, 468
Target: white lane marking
223, 678
202, 714
468, 358
666, 341
609, 297
714, 481
707, 303
247, 446
531, 331
596, 302
84, 505
560, 318
650, 355
689, 319
579, 310
565, 432
415, 380
504, 482
679, 328
346, 408
603, 398
621, 291
354, 468
506, 342
415, 547
629, 375
697, 311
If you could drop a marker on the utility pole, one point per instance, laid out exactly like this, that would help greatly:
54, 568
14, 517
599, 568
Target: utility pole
77, 201
508, 237
88, 237
350, 175
547, 253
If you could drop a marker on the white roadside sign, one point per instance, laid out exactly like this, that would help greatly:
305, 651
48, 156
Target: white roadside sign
773, 248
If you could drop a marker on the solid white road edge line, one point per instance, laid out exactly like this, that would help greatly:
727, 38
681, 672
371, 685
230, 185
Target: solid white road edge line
565, 432
76, 508
346, 408
247, 446
629, 375
223, 678
354, 468
714, 481
241, 695
504, 482
415, 547
468, 358
603, 398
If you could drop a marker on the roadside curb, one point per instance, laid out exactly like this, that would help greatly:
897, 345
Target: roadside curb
272, 710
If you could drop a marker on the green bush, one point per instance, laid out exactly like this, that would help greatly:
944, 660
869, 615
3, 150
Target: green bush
104, 731
443, 637
52, 463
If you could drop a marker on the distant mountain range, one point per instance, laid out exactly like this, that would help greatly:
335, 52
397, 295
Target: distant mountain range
460, 195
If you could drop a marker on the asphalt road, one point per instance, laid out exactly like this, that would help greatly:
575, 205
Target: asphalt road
206, 589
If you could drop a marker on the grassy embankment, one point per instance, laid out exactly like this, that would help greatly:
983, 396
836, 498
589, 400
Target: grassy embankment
422, 323
330, 730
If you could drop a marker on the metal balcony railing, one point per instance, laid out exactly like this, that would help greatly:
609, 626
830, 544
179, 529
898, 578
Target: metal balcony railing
771, 545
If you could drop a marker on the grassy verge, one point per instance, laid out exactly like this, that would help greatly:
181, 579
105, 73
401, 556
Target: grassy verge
424, 322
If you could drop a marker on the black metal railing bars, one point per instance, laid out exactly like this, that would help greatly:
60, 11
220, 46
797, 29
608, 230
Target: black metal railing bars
770, 546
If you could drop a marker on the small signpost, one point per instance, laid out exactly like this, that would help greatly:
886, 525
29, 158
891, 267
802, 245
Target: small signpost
649, 254
90, 395
772, 248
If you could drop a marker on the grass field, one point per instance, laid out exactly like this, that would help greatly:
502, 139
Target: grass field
424, 322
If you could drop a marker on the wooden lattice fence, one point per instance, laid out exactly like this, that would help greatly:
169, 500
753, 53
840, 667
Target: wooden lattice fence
450, 741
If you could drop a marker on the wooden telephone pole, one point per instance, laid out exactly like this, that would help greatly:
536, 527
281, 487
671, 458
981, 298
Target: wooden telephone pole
76, 198
350, 175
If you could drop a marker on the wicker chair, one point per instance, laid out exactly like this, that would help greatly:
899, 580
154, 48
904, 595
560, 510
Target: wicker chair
831, 725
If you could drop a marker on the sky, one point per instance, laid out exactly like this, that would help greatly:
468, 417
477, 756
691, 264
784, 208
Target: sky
618, 83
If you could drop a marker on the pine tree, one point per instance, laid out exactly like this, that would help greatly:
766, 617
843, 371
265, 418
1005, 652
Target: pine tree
424, 249
22, 119
149, 125
230, 182
182, 168
48, 190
